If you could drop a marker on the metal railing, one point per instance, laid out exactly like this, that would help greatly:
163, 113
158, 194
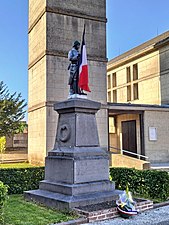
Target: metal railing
139, 156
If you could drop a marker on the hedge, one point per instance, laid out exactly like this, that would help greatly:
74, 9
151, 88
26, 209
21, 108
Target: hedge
21, 179
3, 198
149, 183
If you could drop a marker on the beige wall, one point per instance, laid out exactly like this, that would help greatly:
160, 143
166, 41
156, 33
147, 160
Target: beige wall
37, 135
37, 85
118, 160
37, 27
153, 86
35, 10
148, 80
115, 138
164, 74
157, 151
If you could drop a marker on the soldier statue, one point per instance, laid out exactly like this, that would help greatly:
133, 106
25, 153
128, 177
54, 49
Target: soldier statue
74, 57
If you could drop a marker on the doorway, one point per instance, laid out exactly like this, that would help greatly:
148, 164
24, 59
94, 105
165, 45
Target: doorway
129, 137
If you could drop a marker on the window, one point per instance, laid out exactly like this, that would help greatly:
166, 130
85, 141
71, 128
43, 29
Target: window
128, 72
135, 91
115, 96
20, 142
108, 81
129, 93
114, 80
112, 124
135, 72
109, 96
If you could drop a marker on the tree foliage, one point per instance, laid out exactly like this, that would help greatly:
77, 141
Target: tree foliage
11, 110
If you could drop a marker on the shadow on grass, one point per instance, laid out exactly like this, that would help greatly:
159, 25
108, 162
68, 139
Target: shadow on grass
20, 212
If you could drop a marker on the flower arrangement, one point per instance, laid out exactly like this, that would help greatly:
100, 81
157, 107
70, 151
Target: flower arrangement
126, 204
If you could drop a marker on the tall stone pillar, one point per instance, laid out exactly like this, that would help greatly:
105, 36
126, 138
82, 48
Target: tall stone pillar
53, 26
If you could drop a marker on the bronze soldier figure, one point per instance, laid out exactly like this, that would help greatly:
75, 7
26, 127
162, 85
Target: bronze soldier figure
74, 57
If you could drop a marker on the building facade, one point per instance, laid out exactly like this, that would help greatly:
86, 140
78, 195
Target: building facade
140, 78
53, 27
141, 74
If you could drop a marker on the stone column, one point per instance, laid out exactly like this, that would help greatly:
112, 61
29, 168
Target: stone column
77, 169
53, 26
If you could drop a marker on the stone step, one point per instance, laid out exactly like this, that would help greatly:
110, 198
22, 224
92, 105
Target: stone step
77, 189
60, 201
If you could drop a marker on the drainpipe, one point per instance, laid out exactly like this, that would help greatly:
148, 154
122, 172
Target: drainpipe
121, 144
142, 141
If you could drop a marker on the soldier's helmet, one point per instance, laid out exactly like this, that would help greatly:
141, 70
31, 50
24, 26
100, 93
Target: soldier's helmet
76, 43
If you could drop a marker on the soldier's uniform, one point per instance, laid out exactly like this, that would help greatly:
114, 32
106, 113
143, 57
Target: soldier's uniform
73, 57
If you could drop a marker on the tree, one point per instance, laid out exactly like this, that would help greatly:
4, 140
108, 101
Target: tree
11, 111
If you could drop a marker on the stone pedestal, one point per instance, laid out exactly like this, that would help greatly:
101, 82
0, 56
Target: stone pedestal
76, 170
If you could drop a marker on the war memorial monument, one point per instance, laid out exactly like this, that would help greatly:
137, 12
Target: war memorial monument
77, 167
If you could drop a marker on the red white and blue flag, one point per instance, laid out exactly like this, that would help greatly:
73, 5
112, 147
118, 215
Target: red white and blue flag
83, 67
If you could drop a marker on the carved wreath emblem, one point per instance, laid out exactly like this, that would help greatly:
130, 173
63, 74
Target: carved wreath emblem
64, 132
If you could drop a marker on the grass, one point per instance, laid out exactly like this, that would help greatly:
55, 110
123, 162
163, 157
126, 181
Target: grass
20, 212
16, 165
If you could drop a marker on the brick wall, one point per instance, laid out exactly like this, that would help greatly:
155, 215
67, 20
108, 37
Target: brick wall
112, 212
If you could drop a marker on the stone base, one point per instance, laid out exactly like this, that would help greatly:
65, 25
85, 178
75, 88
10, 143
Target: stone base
76, 170
77, 189
77, 165
60, 201
84, 96
74, 177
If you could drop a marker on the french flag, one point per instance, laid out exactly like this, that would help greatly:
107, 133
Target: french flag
83, 67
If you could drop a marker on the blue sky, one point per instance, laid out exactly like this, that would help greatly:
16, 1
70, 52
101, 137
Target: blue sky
130, 23
13, 45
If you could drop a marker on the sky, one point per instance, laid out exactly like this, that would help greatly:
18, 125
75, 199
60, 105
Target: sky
130, 23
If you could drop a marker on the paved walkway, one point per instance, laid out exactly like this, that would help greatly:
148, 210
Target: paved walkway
160, 166
14, 156
159, 216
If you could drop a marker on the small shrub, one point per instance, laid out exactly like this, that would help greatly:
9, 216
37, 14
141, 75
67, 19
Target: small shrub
2, 144
3, 198
149, 183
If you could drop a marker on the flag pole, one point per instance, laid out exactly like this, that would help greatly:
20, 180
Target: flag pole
83, 66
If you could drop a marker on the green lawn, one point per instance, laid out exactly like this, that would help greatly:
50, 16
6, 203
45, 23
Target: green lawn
20, 212
16, 165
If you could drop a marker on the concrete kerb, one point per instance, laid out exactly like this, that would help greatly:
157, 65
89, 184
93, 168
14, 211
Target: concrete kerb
158, 205
74, 222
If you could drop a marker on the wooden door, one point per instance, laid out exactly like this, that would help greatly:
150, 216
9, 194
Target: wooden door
129, 138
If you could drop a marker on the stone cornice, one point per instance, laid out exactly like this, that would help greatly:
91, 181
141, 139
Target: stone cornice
139, 51
62, 54
36, 20
51, 104
66, 13
114, 64
41, 105
75, 14
36, 60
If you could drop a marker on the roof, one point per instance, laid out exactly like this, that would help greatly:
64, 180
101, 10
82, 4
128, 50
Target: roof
136, 107
156, 42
